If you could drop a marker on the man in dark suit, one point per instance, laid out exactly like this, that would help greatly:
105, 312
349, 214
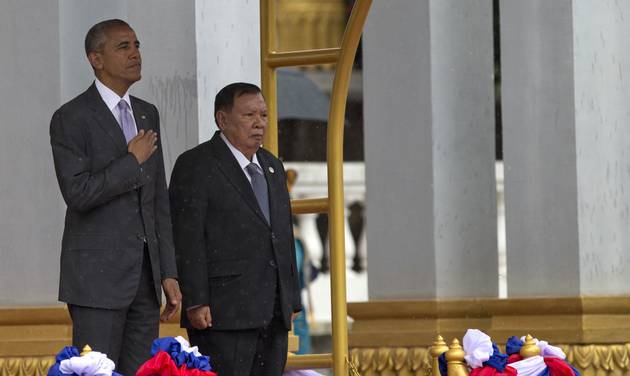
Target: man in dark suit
234, 241
117, 250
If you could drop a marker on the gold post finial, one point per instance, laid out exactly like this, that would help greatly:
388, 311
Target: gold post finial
455, 360
529, 348
438, 348
86, 349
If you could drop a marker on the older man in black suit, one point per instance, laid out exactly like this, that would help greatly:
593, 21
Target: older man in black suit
117, 249
234, 241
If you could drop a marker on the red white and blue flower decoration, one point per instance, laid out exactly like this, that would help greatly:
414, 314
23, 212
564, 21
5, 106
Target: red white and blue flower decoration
90, 363
175, 357
484, 358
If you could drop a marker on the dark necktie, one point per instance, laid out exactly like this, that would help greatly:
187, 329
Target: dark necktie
259, 184
126, 122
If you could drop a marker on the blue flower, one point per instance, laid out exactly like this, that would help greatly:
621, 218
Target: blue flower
513, 345
497, 361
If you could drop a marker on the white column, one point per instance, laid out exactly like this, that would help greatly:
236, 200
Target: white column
75, 19
166, 30
565, 107
31, 209
228, 50
429, 129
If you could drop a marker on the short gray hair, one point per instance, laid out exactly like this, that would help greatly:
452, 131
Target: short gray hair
96, 36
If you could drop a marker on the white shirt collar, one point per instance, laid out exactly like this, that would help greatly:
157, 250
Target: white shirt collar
110, 98
240, 157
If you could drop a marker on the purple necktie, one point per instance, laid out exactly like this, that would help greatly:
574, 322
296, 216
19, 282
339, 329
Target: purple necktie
126, 122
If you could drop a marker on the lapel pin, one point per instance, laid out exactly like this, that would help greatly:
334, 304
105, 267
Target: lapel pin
271, 170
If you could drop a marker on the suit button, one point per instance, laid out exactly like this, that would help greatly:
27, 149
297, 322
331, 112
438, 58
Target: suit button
141, 237
272, 263
273, 236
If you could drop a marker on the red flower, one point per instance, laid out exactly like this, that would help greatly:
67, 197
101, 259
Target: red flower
160, 365
183, 371
558, 367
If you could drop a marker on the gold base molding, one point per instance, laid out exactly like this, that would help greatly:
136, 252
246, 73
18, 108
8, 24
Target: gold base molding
590, 360
392, 361
31, 366
577, 320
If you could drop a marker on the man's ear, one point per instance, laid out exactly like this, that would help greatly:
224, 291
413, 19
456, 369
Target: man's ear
220, 117
95, 60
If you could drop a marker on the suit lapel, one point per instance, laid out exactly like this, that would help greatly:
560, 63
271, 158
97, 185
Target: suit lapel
235, 175
105, 118
140, 115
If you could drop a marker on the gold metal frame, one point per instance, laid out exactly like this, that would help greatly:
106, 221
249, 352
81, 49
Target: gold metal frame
334, 204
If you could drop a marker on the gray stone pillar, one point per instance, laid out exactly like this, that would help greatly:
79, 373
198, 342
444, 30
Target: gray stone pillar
228, 50
429, 139
30, 205
565, 116
169, 70
75, 19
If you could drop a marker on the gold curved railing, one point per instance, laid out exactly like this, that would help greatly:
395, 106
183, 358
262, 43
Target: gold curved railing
334, 204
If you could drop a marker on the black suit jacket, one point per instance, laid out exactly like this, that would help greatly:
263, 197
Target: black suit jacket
228, 256
114, 204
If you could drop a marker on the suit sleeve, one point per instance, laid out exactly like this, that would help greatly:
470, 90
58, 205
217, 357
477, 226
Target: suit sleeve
296, 298
188, 212
82, 188
164, 230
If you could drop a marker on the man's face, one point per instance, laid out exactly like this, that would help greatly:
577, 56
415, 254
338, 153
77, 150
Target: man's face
245, 124
118, 64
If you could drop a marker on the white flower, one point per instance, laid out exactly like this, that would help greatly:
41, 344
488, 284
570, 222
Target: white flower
478, 347
186, 346
93, 363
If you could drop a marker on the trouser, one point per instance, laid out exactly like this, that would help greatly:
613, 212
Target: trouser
126, 334
253, 352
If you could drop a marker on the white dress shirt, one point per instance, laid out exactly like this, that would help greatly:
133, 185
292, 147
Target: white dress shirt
241, 158
112, 99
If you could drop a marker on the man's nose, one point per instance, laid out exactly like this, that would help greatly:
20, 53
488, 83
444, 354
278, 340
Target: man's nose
135, 53
260, 121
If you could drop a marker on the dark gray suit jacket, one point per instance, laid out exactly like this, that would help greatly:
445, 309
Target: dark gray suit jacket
228, 256
114, 204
